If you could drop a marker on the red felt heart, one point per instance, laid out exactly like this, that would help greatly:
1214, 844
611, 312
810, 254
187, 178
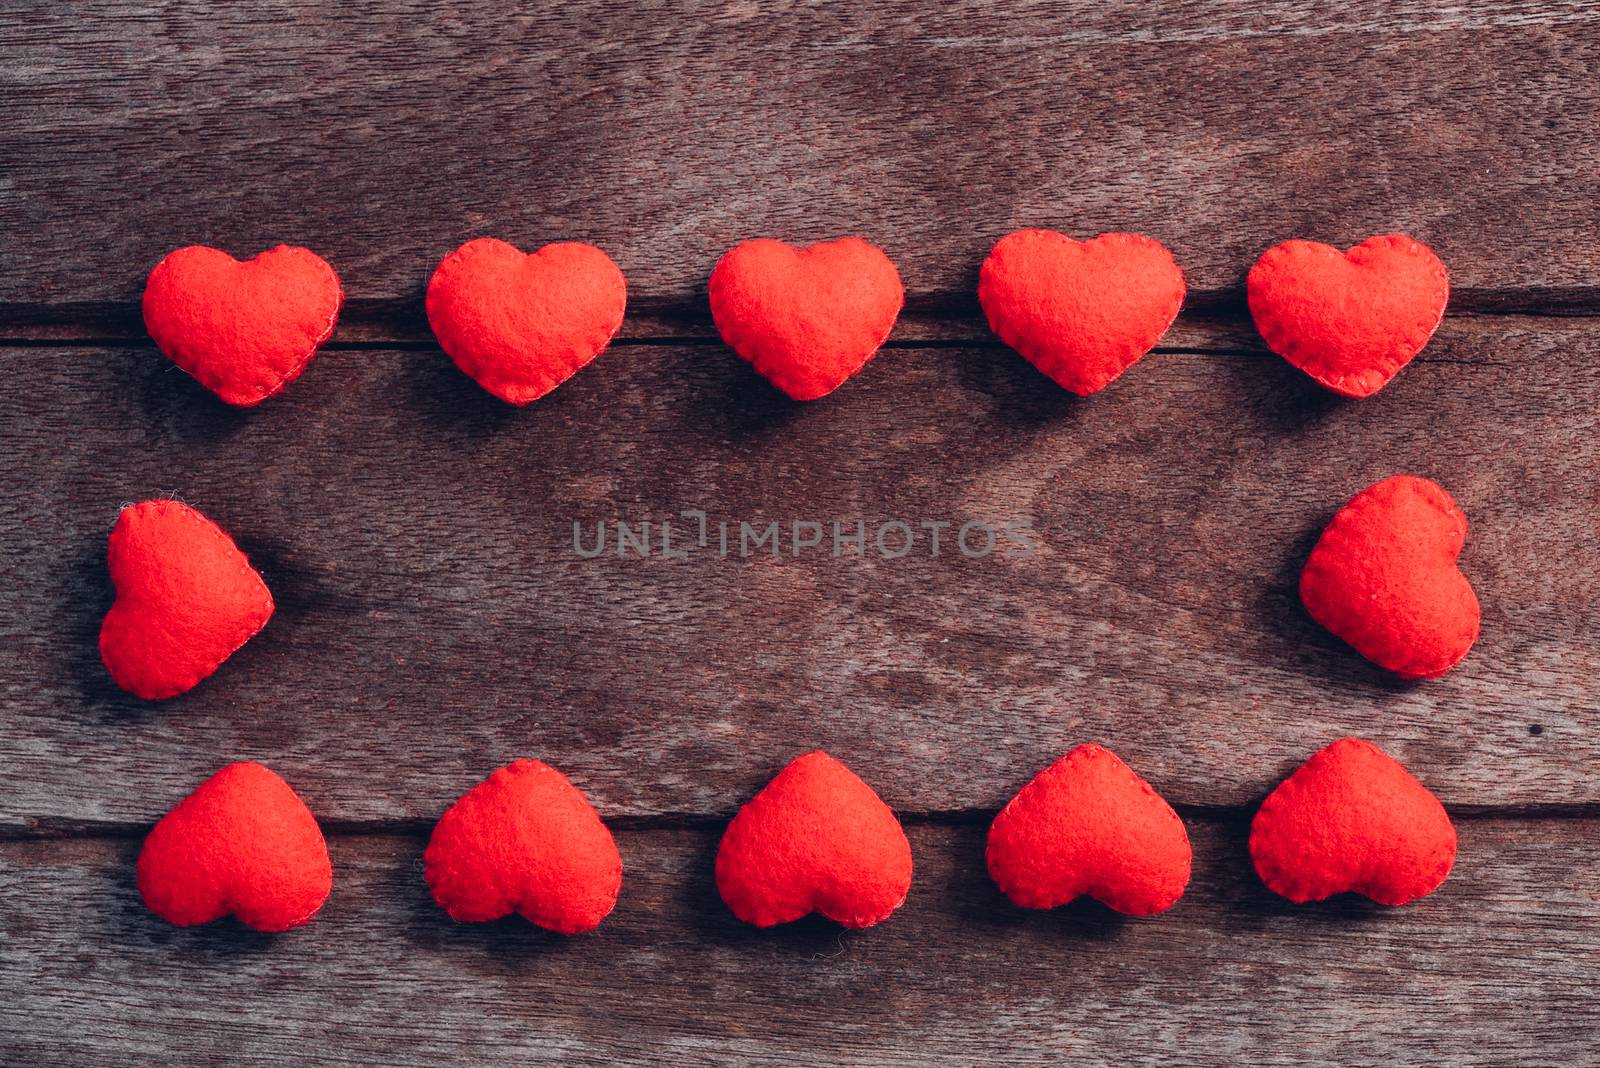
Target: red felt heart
522, 324
1352, 319
1088, 825
1081, 312
187, 599
243, 330
1352, 819
524, 840
816, 839
1383, 577
807, 318
243, 843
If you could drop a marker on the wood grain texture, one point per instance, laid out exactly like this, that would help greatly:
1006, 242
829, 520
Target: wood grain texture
384, 134
1495, 969
435, 620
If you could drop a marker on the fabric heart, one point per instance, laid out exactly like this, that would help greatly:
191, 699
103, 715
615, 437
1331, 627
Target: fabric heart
524, 840
806, 319
1383, 577
1088, 825
1352, 319
1352, 819
187, 599
243, 843
816, 839
522, 324
243, 330
1081, 312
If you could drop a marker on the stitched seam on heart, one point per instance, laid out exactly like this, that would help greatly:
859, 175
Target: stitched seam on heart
1347, 525
1291, 792
536, 379
494, 825
216, 805
540, 379
163, 507
1038, 800
1263, 831
1066, 371
1392, 361
196, 361
315, 338
743, 342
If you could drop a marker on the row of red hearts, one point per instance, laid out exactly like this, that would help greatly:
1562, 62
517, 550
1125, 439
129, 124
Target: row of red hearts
815, 839
807, 319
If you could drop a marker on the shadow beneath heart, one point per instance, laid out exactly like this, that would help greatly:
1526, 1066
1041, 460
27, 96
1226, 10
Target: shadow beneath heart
511, 942
725, 399
179, 409
85, 597
966, 891
711, 919
449, 401
215, 943
1289, 402
297, 589
1312, 649
1020, 395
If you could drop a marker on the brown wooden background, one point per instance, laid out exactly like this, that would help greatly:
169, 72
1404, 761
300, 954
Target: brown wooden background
435, 623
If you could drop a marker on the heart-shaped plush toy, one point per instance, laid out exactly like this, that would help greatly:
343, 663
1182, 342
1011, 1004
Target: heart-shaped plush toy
816, 839
243, 843
1352, 819
524, 840
806, 318
1352, 319
187, 599
243, 330
1080, 311
522, 324
1383, 577
1088, 825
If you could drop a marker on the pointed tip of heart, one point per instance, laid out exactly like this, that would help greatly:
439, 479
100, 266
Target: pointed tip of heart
524, 840
1384, 578
187, 599
1352, 819
242, 844
815, 839
1088, 824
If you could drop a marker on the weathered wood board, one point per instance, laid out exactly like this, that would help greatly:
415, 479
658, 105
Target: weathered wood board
1495, 969
383, 135
435, 620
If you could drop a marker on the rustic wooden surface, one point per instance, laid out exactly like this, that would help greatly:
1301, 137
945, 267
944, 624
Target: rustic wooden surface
435, 621
384, 134
1233, 975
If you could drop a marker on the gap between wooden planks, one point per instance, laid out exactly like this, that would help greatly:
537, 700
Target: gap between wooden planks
1216, 323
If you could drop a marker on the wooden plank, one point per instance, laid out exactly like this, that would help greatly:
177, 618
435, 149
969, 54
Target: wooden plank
666, 132
1495, 969
435, 620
